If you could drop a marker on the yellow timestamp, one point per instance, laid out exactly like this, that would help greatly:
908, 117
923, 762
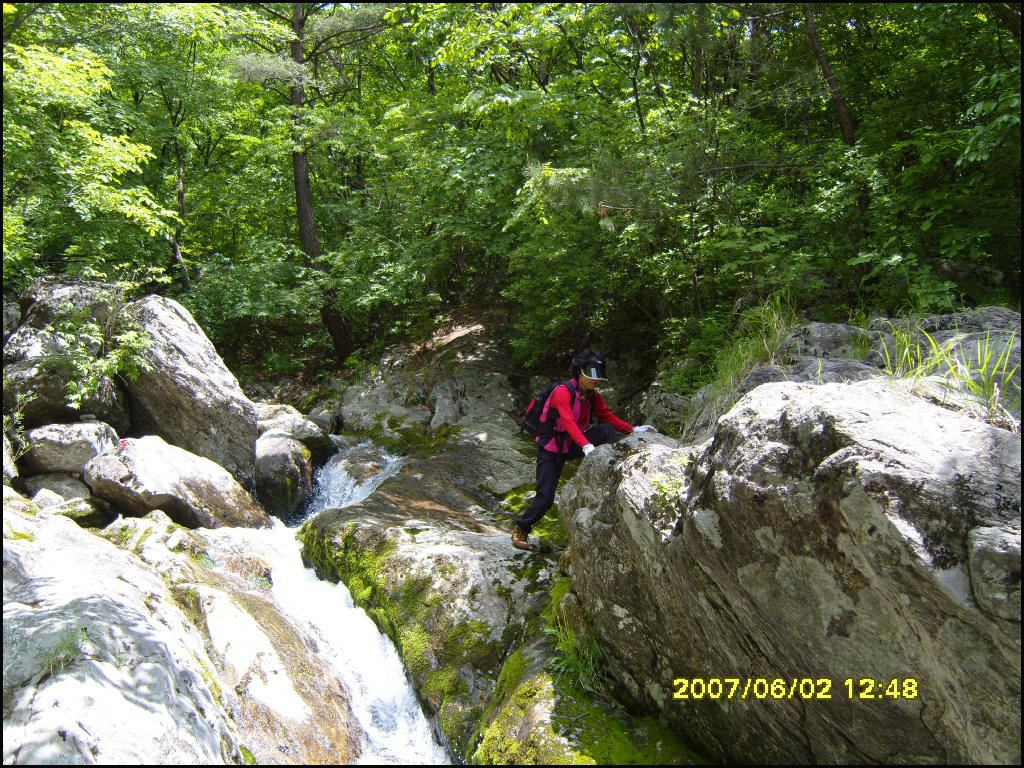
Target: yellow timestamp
864, 688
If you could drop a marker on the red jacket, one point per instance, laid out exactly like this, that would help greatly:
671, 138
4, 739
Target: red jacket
575, 417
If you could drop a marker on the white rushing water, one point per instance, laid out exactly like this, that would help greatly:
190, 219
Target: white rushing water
365, 660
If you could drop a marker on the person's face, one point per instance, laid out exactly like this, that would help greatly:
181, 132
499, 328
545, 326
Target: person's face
587, 383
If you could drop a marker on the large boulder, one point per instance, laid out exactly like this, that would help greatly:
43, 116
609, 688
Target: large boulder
36, 378
187, 395
148, 473
68, 447
469, 615
100, 663
54, 297
36, 360
825, 536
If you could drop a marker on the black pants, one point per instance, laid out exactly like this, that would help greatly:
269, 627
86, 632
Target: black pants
549, 469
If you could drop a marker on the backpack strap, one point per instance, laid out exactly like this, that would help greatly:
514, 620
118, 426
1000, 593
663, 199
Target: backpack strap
560, 438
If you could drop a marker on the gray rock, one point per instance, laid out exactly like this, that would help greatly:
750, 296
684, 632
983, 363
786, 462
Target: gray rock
147, 474
88, 513
188, 396
63, 485
284, 473
968, 321
37, 372
28, 343
100, 663
45, 498
287, 702
55, 296
829, 340
10, 466
68, 447
12, 317
764, 374
815, 522
428, 537
288, 420
994, 566
825, 371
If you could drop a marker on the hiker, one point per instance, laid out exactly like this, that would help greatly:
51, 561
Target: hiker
565, 433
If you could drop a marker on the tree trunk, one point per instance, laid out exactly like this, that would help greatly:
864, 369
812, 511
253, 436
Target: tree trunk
334, 321
176, 236
846, 124
826, 70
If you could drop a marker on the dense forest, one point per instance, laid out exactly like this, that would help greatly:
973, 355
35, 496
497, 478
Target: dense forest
315, 180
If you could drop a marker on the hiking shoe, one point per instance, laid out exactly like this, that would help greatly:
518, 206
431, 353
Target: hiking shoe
520, 539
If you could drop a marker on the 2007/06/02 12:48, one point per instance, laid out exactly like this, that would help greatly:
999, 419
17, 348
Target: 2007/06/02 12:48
865, 688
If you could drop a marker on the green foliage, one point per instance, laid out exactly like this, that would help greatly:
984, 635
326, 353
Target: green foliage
579, 657
632, 176
14, 423
95, 354
982, 371
71, 644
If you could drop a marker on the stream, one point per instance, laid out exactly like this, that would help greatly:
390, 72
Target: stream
383, 702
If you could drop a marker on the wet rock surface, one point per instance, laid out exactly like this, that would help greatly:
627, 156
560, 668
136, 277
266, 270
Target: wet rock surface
89, 660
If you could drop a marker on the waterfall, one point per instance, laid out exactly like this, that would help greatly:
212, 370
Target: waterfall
397, 732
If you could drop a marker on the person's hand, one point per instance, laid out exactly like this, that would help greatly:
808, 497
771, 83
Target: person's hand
588, 449
645, 428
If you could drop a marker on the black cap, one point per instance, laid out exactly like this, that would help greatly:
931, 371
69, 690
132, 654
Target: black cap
590, 363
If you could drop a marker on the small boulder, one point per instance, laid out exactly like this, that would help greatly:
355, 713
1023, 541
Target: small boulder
147, 474
10, 467
68, 447
37, 370
65, 486
286, 419
284, 472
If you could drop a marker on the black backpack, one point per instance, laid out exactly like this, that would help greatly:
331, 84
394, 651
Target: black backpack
532, 422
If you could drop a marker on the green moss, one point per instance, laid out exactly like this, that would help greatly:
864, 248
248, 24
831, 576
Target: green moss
611, 737
22, 535
247, 755
119, 537
443, 683
558, 591
137, 549
470, 643
414, 643
504, 743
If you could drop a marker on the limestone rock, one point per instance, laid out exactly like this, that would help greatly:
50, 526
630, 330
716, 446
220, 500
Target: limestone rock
147, 474
284, 473
188, 396
835, 532
68, 447
100, 664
